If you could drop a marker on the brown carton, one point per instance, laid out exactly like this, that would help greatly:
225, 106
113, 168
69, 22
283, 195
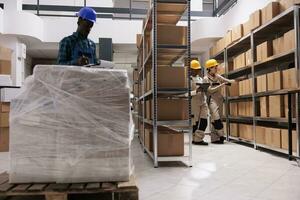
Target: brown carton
285, 4
278, 46
264, 106
234, 109
234, 130
5, 107
228, 38
263, 51
4, 120
5, 67
172, 109
260, 133
237, 33
261, 83
246, 132
293, 106
276, 106
234, 89
248, 57
247, 27
273, 137
5, 54
139, 40
284, 140
274, 81
289, 41
177, 77
289, 78
164, 36
270, 11
239, 61
4, 139
255, 19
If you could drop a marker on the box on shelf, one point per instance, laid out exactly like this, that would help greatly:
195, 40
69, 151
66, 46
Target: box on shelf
5, 67
178, 77
264, 106
234, 89
263, 51
278, 46
139, 40
5, 54
260, 133
220, 45
4, 139
148, 109
270, 11
245, 108
234, 109
285, 141
255, 19
169, 142
285, 4
262, 83
5, 107
164, 36
289, 79
289, 41
274, 80
4, 120
245, 132
273, 137
293, 106
276, 106
247, 27
234, 130
239, 61
228, 38
248, 57
237, 33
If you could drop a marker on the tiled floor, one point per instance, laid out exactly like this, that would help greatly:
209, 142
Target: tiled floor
219, 172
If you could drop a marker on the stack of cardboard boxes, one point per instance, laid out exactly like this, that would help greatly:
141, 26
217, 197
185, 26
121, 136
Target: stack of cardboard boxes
5, 68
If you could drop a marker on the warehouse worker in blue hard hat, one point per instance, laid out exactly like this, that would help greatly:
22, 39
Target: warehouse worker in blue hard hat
77, 49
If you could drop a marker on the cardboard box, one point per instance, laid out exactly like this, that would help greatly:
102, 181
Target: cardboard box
228, 38
4, 139
4, 120
172, 109
278, 46
5, 67
247, 27
255, 19
261, 82
289, 41
148, 109
264, 106
274, 81
5, 54
289, 79
177, 77
248, 57
285, 140
273, 137
263, 51
241, 108
5, 107
276, 106
234, 130
234, 109
239, 61
220, 45
246, 132
286, 108
234, 89
260, 133
169, 142
270, 11
237, 33
164, 36
285, 4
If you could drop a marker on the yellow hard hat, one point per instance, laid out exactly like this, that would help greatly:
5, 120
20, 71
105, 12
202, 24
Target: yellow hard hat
211, 63
195, 64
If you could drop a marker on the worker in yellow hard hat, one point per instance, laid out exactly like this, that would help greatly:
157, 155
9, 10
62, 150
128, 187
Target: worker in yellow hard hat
199, 106
215, 99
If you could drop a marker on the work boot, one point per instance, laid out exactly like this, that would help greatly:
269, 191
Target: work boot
222, 138
200, 143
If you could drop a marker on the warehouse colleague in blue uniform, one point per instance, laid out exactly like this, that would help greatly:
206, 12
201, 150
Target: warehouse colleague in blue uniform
77, 49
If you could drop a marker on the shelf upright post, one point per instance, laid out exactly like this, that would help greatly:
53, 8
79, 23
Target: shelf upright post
297, 66
154, 80
189, 83
227, 107
253, 58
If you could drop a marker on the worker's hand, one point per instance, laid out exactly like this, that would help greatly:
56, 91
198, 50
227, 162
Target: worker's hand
83, 61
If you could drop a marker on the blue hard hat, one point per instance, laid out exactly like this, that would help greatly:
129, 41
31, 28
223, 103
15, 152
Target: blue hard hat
87, 13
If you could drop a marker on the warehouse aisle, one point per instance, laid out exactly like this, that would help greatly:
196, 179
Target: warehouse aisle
220, 172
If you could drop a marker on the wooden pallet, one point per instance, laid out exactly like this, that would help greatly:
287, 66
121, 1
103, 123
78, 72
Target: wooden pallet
55, 191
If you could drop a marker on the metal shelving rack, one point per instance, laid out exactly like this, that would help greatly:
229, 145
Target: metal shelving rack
161, 55
282, 23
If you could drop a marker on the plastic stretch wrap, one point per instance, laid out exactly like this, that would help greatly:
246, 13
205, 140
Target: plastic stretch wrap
71, 124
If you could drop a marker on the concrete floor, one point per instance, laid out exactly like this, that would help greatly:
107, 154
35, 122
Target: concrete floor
219, 172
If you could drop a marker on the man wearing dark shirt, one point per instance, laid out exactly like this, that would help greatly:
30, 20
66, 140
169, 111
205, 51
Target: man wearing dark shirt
77, 49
